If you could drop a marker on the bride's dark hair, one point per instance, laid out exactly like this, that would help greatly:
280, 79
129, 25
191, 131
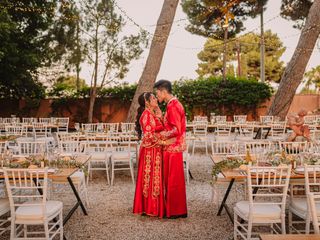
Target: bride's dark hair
142, 105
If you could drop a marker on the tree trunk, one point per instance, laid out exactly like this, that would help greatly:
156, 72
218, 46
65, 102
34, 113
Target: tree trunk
78, 59
295, 69
93, 91
155, 56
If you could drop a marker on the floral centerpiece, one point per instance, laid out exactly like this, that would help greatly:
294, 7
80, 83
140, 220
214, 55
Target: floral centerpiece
227, 164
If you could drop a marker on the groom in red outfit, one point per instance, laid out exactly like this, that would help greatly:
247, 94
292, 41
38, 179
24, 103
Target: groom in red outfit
175, 127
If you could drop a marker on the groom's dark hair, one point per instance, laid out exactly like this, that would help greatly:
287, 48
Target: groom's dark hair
163, 84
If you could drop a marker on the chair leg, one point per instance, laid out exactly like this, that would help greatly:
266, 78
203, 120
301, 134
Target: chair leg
193, 147
107, 171
206, 148
235, 226
13, 229
61, 225
112, 172
46, 230
290, 221
283, 224
25, 230
131, 170
308, 220
249, 229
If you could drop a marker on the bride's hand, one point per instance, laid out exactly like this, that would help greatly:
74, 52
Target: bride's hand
158, 112
170, 141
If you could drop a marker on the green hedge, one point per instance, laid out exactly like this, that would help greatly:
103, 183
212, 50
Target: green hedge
209, 94
215, 95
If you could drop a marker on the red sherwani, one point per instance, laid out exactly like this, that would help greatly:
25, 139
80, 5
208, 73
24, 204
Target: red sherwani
149, 196
174, 182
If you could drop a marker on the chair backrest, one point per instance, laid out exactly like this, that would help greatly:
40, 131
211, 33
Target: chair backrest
29, 120
62, 123
224, 148
32, 148
128, 127
71, 148
40, 130
3, 147
110, 127
63, 136
90, 127
223, 130
258, 148
314, 202
45, 120
200, 128
293, 147
312, 178
310, 119
27, 187
278, 129
221, 119
16, 130
272, 183
266, 119
240, 118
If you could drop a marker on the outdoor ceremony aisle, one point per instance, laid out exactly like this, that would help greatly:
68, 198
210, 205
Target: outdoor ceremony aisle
110, 214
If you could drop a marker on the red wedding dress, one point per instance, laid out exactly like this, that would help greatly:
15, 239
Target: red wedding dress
174, 182
149, 196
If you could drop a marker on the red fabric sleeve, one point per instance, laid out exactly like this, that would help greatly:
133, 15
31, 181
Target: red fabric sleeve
148, 125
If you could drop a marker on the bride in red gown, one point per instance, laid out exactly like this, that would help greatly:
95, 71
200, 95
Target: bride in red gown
149, 195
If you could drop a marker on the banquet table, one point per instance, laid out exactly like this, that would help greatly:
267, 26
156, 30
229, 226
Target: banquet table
65, 175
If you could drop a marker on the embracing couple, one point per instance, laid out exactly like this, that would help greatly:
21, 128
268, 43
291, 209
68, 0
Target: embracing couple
160, 189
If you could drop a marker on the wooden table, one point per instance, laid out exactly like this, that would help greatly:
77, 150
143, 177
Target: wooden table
65, 175
290, 237
236, 174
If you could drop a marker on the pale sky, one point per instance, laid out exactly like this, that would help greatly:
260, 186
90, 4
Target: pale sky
180, 58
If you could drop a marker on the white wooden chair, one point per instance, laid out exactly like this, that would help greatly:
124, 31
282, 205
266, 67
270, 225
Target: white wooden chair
62, 123
31, 148
278, 131
200, 132
223, 132
29, 120
246, 132
46, 121
110, 127
221, 149
293, 147
221, 119
91, 127
100, 152
41, 131
266, 119
27, 191
4, 210
258, 149
128, 127
122, 157
300, 205
16, 130
266, 207
314, 202
240, 119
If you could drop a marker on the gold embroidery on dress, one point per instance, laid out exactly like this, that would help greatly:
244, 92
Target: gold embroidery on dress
156, 175
147, 170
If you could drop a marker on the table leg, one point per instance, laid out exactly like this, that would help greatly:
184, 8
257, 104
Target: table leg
223, 203
258, 134
267, 134
79, 203
190, 174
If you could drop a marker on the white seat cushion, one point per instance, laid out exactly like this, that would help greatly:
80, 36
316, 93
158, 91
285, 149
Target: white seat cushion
4, 206
120, 155
260, 212
35, 212
301, 205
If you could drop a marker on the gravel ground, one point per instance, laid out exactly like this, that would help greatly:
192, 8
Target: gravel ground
110, 214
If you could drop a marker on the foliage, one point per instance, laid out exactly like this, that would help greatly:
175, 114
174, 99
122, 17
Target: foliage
66, 86
207, 17
213, 94
226, 164
296, 10
313, 78
211, 56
